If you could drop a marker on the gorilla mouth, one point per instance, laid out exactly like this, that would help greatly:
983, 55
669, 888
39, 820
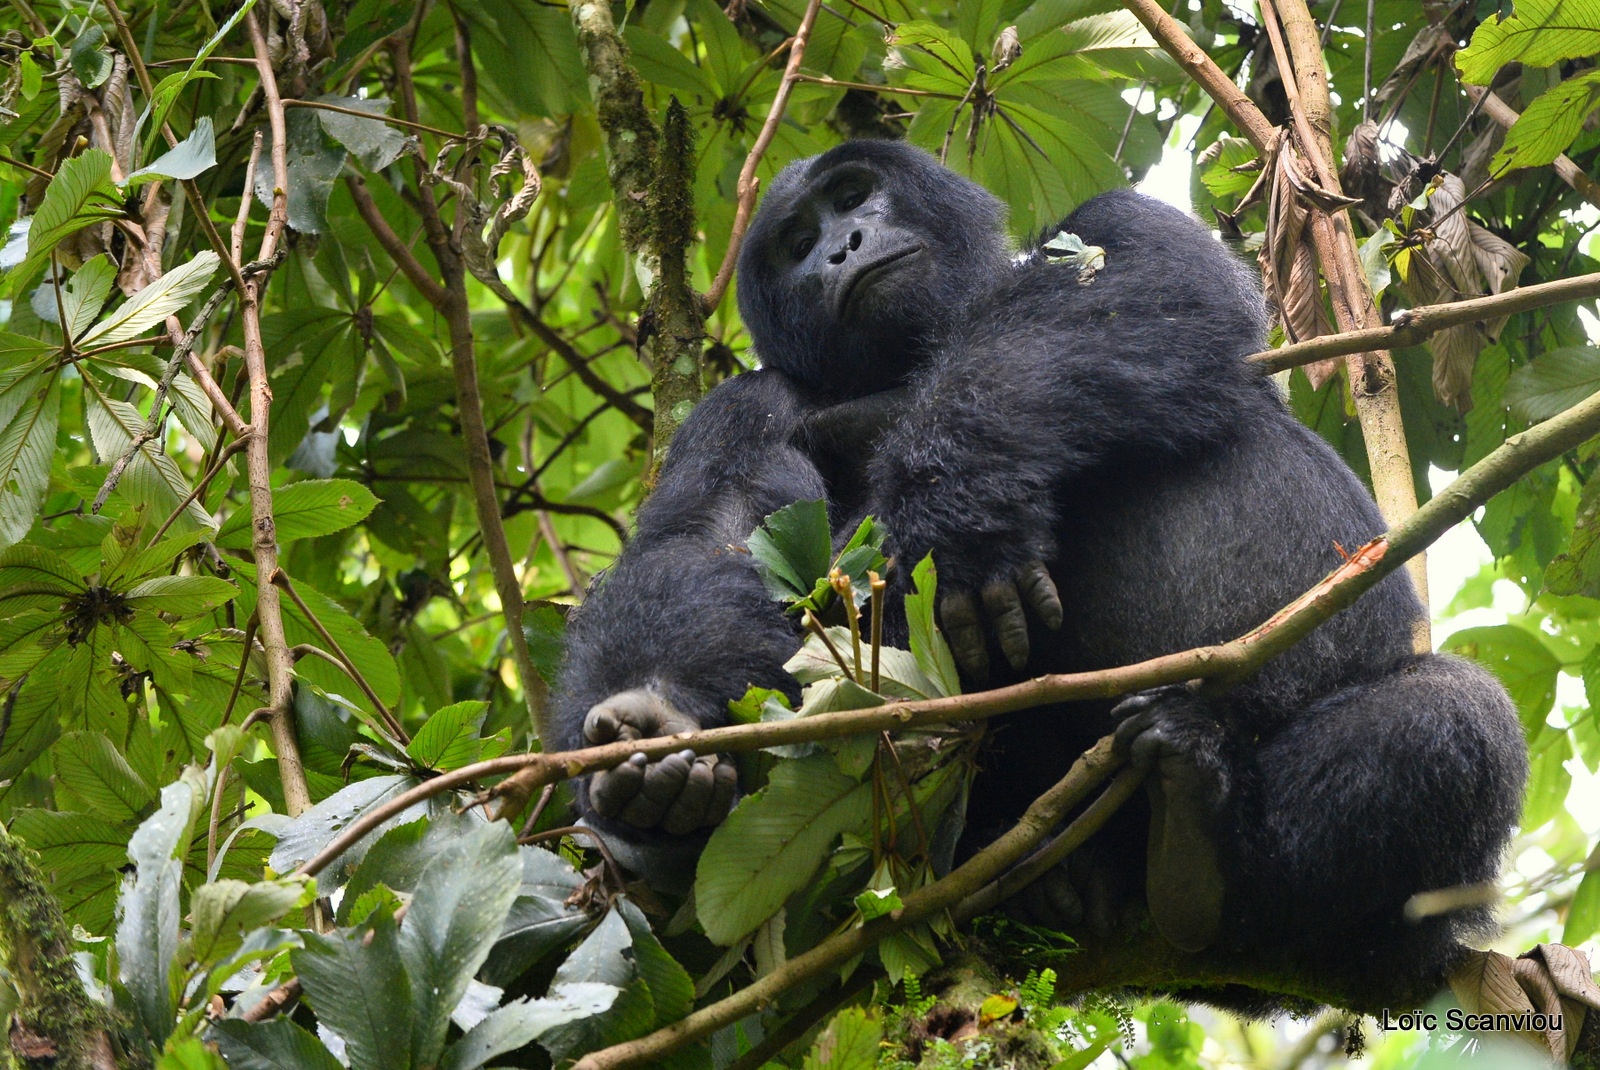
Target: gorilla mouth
872, 271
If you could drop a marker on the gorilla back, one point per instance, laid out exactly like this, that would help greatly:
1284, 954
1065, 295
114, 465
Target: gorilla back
1100, 478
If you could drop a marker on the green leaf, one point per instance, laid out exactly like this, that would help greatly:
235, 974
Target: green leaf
91, 65
313, 830
147, 908
372, 141
27, 444
793, 549
1583, 916
521, 1021
155, 302
1555, 382
305, 510
183, 596
605, 957
455, 917
1548, 779
86, 292
166, 92
66, 840
89, 764
221, 913
449, 738
315, 160
772, 843
876, 902
81, 194
152, 478
1540, 33
193, 155
279, 1044
927, 645
541, 917
1522, 662
671, 989
355, 982
851, 1042
1549, 125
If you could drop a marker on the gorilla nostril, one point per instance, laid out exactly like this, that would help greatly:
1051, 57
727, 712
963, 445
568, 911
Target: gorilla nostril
838, 257
855, 240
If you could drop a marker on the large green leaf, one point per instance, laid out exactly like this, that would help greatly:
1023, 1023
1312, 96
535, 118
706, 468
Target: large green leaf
793, 549
91, 765
279, 1044
1539, 33
355, 981
456, 915
221, 913
1554, 383
449, 738
152, 478
521, 1021
1549, 125
605, 957
927, 645
541, 918
67, 840
304, 510
773, 842
155, 302
147, 909
181, 596
27, 443
192, 156
81, 193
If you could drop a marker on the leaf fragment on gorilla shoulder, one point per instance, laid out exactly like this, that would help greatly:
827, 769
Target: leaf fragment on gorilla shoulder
773, 842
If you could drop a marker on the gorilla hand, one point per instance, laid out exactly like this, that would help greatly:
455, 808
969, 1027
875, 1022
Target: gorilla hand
1003, 603
679, 793
1174, 736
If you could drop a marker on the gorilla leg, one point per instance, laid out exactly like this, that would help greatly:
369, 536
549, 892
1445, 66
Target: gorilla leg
1328, 823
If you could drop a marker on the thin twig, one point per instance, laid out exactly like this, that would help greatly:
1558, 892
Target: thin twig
376, 116
281, 579
749, 182
242, 220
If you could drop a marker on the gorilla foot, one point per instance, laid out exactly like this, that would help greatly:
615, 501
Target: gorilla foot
1175, 737
1080, 891
677, 794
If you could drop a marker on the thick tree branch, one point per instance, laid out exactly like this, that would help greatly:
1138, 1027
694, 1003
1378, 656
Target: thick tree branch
1413, 326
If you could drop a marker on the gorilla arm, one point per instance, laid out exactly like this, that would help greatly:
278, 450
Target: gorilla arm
1044, 380
681, 624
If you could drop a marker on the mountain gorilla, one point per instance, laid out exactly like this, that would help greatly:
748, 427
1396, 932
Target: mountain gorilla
1101, 479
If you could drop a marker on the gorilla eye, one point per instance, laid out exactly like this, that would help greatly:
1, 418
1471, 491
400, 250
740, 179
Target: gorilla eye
852, 199
802, 244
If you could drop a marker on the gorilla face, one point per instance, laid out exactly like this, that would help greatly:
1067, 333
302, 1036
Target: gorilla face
854, 258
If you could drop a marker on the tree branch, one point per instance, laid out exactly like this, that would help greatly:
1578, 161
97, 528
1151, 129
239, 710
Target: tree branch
1415, 325
264, 531
749, 182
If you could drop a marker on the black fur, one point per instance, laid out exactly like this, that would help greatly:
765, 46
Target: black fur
1112, 430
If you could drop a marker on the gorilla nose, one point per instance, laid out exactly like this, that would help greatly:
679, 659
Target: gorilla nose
848, 246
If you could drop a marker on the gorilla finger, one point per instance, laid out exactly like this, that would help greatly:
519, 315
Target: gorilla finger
1152, 696
601, 725
1039, 592
611, 790
662, 783
1125, 743
640, 710
687, 810
1004, 606
724, 787
964, 630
